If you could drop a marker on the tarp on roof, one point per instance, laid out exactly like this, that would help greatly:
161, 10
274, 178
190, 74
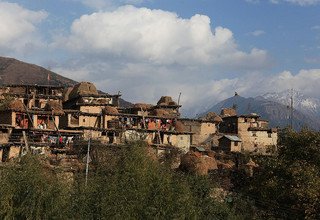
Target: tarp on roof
200, 149
233, 138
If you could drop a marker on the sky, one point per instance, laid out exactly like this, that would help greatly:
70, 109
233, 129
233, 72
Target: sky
205, 49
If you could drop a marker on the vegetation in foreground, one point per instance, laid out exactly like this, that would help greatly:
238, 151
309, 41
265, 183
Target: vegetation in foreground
127, 183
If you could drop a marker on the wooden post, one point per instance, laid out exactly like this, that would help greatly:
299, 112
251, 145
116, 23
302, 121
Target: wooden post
26, 108
25, 141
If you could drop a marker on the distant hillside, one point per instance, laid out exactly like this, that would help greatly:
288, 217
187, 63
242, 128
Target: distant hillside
277, 113
13, 71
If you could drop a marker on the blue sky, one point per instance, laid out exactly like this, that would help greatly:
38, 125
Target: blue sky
206, 49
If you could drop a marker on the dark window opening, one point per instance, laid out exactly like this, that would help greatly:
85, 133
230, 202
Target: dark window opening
254, 134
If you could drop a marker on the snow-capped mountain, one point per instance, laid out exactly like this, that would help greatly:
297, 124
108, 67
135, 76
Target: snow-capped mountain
306, 105
275, 107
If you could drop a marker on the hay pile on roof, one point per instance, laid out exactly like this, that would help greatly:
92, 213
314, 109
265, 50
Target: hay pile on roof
166, 100
66, 93
111, 110
143, 106
83, 88
217, 119
55, 107
212, 116
228, 112
16, 105
180, 127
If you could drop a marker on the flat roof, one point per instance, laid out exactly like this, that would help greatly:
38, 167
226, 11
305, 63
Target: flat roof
32, 86
262, 129
242, 116
118, 114
196, 119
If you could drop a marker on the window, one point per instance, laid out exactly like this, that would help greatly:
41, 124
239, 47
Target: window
37, 103
269, 135
254, 134
235, 143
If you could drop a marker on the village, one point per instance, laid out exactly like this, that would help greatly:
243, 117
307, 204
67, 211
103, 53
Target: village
48, 120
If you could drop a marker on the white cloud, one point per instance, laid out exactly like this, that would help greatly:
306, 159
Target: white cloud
298, 2
18, 27
274, 1
109, 4
257, 33
306, 81
252, 85
316, 27
253, 1
148, 53
315, 60
158, 37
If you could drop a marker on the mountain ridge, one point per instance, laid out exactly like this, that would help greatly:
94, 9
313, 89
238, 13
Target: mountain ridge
13, 71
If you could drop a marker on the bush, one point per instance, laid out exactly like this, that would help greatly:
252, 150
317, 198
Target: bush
287, 186
29, 191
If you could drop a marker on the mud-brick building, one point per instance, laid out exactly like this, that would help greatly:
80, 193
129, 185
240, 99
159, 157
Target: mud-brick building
204, 129
33, 96
254, 133
85, 97
141, 109
85, 107
161, 140
15, 114
230, 143
166, 107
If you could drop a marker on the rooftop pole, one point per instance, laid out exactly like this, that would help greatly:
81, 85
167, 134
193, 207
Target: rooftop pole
179, 98
291, 109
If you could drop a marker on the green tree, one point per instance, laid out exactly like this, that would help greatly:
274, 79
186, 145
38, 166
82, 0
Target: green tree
287, 185
28, 190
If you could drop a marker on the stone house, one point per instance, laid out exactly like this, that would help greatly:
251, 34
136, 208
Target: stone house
18, 117
84, 106
202, 130
33, 96
230, 143
255, 135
